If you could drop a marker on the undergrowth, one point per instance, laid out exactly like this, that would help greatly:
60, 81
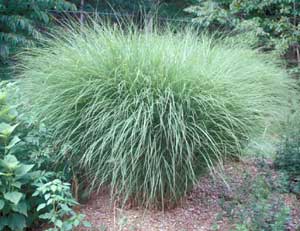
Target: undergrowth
28, 187
258, 201
288, 154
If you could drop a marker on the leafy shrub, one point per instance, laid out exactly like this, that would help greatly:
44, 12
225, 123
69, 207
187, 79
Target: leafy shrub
274, 22
20, 135
171, 9
20, 23
20, 179
7, 124
17, 205
14, 206
147, 112
16, 178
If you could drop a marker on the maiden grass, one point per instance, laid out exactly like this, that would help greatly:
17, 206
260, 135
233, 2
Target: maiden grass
147, 112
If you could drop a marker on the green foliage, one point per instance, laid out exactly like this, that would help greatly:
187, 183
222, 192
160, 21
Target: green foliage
147, 112
264, 214
20, 135
17, 205
274, 22
57, 206
271, 215
14, 206
288, 155
16, 178
257, 203
130, 6
18, 181
168, 8
7, 124
174, 8
20, 22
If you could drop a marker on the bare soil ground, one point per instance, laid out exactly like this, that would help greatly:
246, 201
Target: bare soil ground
199, 211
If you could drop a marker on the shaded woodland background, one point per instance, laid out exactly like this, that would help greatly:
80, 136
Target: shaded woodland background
274, 24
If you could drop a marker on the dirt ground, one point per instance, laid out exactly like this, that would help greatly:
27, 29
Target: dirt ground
199, 211
196, 212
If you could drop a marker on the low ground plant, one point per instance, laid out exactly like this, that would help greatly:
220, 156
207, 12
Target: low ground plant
258, 202
146, 112
288, 154
57, 204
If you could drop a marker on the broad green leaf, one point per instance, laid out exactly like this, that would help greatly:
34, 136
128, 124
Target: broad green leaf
6, 129
10, 162
17, 184
2, 203
41, 206
59, 223
67, 226
46, 216
36, 193
87, 224
17, 222
3, 222
20, 208
13, 197
23, 169
13, 142
47, 196
49, 201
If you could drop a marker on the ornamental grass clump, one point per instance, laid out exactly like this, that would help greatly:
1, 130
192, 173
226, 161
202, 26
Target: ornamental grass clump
147, 112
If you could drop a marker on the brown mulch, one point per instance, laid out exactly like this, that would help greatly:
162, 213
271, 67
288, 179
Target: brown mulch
199, 211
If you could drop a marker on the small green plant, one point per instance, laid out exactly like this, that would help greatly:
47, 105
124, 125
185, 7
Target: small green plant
145, 112
57, 206
241, 227
103, 227
14, 204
